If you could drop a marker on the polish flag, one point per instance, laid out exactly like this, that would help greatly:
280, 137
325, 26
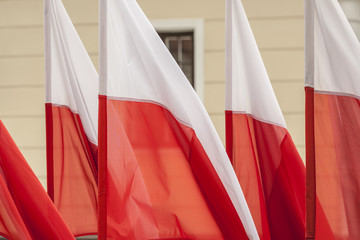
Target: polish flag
163, 171
332, 85
71, 122
266, 161
26, 211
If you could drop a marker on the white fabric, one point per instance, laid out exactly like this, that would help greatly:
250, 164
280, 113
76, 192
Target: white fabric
71, 79
135, 64
332, 49
248, 87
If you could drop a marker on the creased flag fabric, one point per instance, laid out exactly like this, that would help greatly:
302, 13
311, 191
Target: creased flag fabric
265, 159
26, 211
163, 172
71, 122
332, 85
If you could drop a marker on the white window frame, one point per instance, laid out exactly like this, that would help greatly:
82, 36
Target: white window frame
196, 25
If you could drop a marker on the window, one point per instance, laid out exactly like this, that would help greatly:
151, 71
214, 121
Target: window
176, 34
181, 46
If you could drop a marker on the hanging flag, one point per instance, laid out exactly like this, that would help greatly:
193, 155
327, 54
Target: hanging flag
26, 212
265, 159
332, 86
163, 171
71, 122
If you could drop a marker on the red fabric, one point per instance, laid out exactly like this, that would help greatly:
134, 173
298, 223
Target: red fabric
160, 183
271, 174
337, 164
11, 223
26, 211
72, 170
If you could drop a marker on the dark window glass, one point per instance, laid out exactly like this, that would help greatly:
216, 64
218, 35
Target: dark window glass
181, 46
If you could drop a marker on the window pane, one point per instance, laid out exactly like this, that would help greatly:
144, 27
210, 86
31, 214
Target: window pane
188, 71
187, 50
172, 44
181, 46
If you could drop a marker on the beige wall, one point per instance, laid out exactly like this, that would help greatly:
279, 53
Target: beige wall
277, 25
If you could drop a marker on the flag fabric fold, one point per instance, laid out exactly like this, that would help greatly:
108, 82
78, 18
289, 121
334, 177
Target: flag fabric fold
163, 172
332, 54
265, 159
71, 122
26, 211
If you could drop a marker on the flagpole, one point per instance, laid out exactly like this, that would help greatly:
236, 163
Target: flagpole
228, 82
310, 215
102, 124
310, 165
48, 109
